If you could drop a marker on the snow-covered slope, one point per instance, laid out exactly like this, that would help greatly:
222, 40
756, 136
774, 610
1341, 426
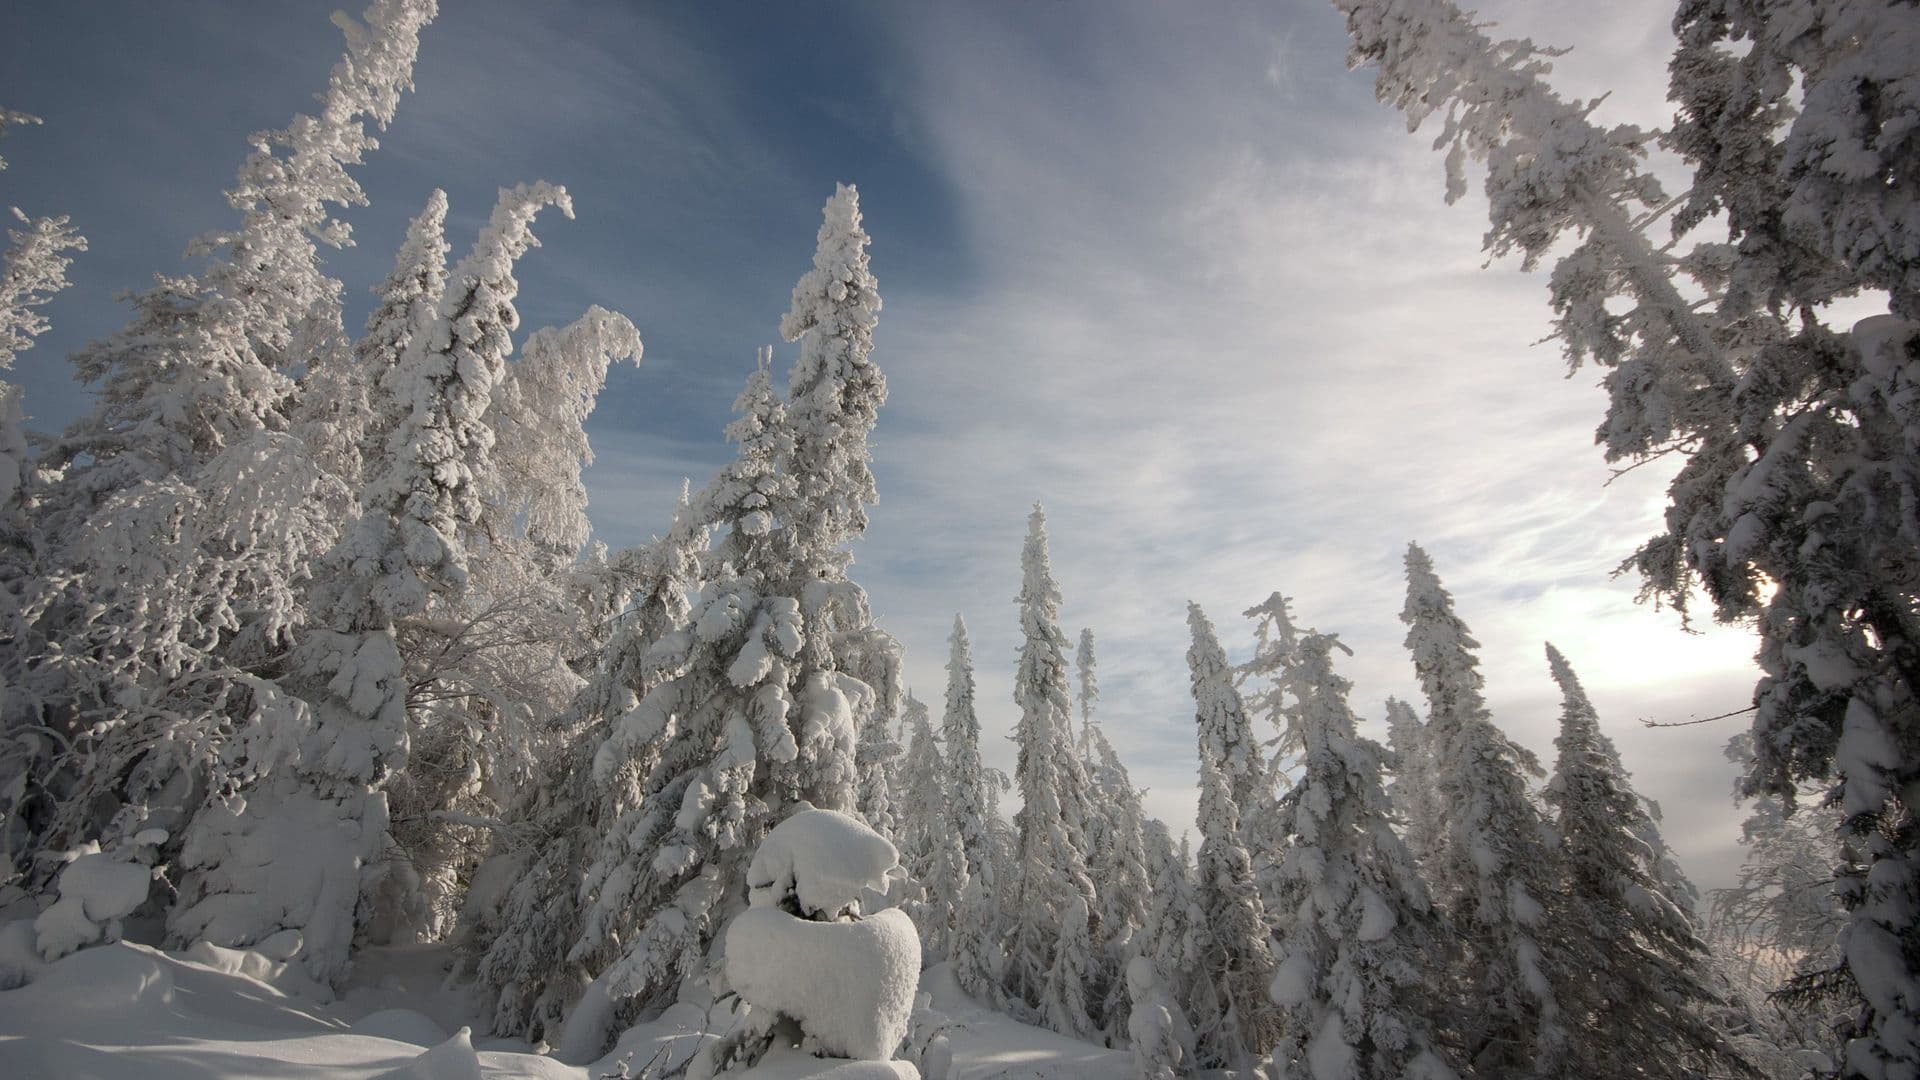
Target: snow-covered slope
126, 1010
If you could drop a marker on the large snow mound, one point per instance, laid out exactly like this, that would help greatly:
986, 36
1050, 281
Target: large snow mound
96, 892
850, 985
823, 859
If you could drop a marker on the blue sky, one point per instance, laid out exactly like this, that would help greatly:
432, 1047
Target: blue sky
1167, 268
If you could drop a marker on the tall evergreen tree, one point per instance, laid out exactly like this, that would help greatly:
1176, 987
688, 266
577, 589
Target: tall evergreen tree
1236, 1022
976, 952
930, 849
1351, 975
1052, 873
326, 794
1414, 790
32, 271
1116, 855
1496, 866
1262, 824
178, 524
1644, 983
1797, 440
757, 714
520, 949
1160, 974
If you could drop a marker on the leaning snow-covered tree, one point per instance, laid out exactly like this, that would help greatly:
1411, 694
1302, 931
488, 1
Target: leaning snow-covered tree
1235, 1023
755, 713
177, 524
1642, 993
1496, 871
1354, 974
325, 766
489, 666
1798, 441
1414, 790
1116, 857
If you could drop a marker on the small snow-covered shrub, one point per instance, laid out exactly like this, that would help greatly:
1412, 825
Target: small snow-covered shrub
809, 970
97, 890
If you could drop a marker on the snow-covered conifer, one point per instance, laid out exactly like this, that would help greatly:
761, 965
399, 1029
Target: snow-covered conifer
33, 269
1643, 986
518, 948
177, 524
930, 847
405, 545
1052, 870
1158, 976
1414, 790
976, 951
1351, 976
1122, 875
1116, 856
835, 391
341, 412
1262, 824
1236, 1023
1496, 870
757, 710
1797, 440
877, 757
207, 361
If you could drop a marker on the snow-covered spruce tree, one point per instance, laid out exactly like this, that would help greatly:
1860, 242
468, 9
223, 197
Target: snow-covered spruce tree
877, 752
976, 948
1052, 867
1235, 1021
325, 796
208, 361
32, 271
1262, 824
755, 713
1352, 977
1160, 974
1116, 855
340, 411
1797, 439
490, 665
1637, 1005
1496, 870
1124, 879
177, 523
517, 941
930, 848
1414, 789
1780, 919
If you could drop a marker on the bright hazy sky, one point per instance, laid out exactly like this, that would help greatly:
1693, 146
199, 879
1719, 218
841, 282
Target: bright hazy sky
1167, 268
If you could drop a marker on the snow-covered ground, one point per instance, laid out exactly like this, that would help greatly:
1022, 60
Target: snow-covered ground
127, 1010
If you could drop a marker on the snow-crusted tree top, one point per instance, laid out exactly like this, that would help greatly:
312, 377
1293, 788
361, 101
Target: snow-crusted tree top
835, 389
1226, 739
10, 118
270, 267
1441, 645
34, 269
1089, 685
819, 861
443, 386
